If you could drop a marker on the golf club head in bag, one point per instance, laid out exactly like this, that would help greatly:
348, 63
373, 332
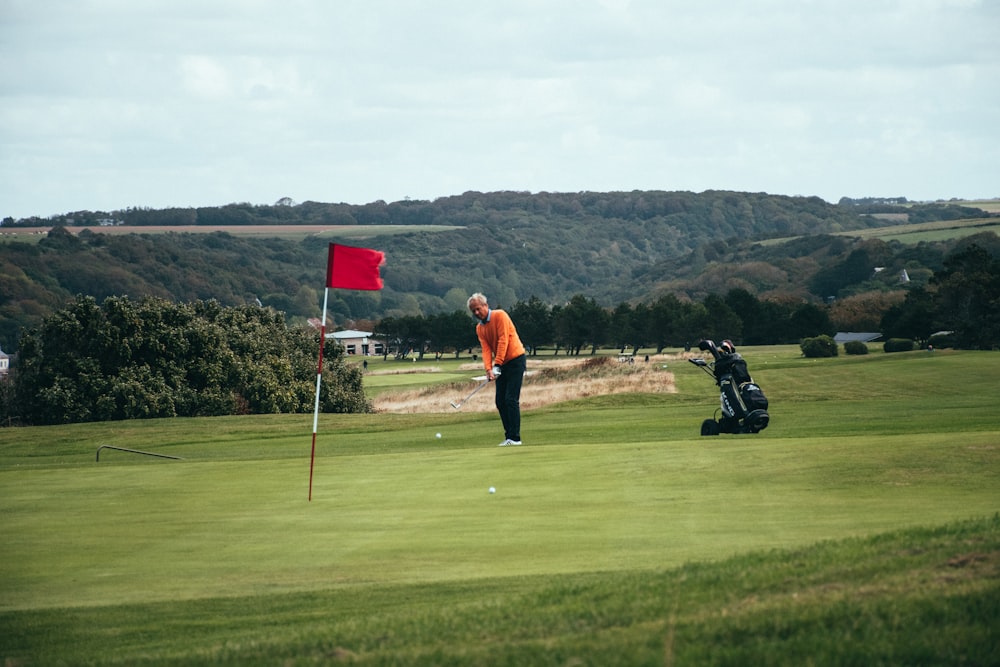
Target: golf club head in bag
707, 345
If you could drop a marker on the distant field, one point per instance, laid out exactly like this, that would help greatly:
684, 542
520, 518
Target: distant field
988, 205
940, 230
293, 232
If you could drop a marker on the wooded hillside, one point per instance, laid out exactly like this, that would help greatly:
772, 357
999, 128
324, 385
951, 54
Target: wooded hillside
610, 247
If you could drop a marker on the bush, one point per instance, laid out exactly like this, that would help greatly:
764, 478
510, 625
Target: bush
820, 346
941, 341
855, 347
898, 345
127, 359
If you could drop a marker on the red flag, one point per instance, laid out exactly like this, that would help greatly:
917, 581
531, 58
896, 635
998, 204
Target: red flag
354, 268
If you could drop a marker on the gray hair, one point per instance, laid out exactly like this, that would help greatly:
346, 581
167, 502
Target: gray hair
478, 297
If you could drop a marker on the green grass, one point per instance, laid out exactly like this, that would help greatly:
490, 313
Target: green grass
861, 527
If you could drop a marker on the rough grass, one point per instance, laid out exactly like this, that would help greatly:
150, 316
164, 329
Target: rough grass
549, 380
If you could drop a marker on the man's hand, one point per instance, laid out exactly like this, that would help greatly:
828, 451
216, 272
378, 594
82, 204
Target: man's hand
493, 373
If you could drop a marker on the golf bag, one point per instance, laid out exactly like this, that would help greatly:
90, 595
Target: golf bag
743, 405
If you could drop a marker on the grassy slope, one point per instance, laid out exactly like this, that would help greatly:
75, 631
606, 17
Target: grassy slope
941, 230
617, 532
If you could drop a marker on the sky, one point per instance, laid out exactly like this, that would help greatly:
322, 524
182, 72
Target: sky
112, 104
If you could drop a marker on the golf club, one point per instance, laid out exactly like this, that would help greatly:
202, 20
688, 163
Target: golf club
703, 365
471, 394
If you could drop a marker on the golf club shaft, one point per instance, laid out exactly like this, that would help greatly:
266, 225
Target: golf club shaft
471, 394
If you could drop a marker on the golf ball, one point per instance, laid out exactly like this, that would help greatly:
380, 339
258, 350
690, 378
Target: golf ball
492, 490
437, 435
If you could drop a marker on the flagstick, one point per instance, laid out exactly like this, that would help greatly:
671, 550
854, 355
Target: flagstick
319, 377
356, 269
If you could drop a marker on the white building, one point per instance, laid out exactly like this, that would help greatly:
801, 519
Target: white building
357, 342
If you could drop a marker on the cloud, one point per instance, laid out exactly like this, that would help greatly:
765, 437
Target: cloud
109, 103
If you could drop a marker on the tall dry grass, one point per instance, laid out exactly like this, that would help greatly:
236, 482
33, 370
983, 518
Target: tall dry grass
547, 381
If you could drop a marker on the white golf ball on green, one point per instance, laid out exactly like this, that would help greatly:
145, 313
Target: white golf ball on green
437, 435
492, 490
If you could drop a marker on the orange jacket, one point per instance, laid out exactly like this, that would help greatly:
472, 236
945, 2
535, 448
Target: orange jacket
499, 339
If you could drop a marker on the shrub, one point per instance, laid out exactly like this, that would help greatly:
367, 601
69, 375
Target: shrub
898, 345
941, 341
820, 346
127, 359
855, 347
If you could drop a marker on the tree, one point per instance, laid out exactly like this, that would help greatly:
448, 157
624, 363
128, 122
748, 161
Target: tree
580, 322
809, 320
453, 331
664, 322
388, 330
747, 308
725, 323
411, 333
694, 322
863, 312
626, 326
968, 297
857, 267
533, 320
153, 358
772, 325
915, 318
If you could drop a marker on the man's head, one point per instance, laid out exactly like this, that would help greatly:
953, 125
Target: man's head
478, 306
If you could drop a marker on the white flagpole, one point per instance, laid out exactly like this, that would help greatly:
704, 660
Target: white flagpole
319, 378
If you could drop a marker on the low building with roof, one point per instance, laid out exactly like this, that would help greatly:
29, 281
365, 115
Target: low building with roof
357, 342
848, 336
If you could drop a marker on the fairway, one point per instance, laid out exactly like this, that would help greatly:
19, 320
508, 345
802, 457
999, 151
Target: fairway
857, 446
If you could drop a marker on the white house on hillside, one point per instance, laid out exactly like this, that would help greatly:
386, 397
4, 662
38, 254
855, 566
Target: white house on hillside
357, 342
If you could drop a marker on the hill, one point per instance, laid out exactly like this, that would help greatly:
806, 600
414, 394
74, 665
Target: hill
612, 247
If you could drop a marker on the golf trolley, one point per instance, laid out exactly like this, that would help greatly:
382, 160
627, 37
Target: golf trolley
743, 403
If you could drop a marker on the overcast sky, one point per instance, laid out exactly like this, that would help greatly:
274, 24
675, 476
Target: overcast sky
109, 104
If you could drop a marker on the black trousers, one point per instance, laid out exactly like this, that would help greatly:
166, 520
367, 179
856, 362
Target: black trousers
508, 399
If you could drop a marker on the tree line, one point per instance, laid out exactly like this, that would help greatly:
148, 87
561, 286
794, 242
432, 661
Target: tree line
721, 209
583, 326
716, 212
963, 299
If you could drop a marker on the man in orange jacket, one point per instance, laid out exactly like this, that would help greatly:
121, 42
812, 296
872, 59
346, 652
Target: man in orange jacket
505, 361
